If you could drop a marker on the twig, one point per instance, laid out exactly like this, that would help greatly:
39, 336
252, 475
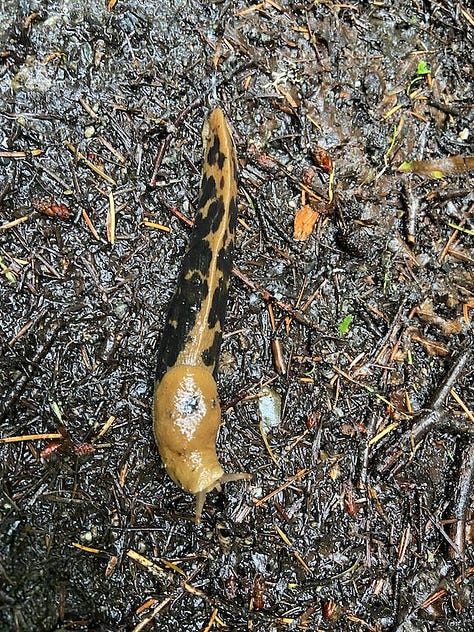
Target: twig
14, 222
297, 477
462, 501
80, 156
450, 380
390, 335
165, 144
20, 385
267, 296
436, 416
156, 610
412, 204
442, 420
18, 155
32, 437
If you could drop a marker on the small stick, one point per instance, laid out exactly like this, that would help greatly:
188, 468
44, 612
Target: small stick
436, 416
32, 437
412, 205
111, 219
267, 296
156, 610
165, 144
112, 149
20, 385
91, 165
297, 477
450, 380
289, 543
461, 502
442, 107
87, 107
442, 592
439, 419
54, 176
276, 345
18, 155
454, 235
391, 334
90, 225
14, 222
459, 401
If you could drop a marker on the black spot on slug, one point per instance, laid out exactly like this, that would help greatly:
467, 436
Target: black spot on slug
232, 215
215, 155
182, 313
218, 305
224, 259
216, 213
208, 190
211, 354
199, 256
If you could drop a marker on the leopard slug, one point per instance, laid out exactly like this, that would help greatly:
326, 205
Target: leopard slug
186, 409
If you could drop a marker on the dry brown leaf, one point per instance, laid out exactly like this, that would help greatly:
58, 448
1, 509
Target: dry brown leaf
322, 159
426, 314
305, 219
432, 347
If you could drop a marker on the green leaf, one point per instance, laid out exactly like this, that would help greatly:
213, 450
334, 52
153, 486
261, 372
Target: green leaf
405, 166
423, 68
344, 326
7, 272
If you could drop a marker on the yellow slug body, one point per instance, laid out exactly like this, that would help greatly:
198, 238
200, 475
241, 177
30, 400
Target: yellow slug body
186, 410
187, 418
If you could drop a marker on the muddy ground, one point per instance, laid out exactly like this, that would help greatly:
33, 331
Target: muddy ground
358, 516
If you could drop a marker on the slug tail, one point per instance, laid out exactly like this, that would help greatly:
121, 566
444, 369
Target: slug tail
200, 500
193, 331
225, 478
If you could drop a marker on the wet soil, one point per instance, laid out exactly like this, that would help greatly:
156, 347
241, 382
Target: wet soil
359, 513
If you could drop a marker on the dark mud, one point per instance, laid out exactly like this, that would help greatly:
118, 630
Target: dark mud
367, 533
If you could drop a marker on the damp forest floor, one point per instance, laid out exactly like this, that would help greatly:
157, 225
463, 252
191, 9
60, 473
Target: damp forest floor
357, 117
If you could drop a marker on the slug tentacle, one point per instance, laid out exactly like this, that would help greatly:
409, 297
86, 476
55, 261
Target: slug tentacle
186, 408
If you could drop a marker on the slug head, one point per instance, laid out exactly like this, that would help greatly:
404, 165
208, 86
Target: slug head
187, 416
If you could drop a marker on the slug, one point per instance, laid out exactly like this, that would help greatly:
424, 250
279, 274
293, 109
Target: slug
186, 409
